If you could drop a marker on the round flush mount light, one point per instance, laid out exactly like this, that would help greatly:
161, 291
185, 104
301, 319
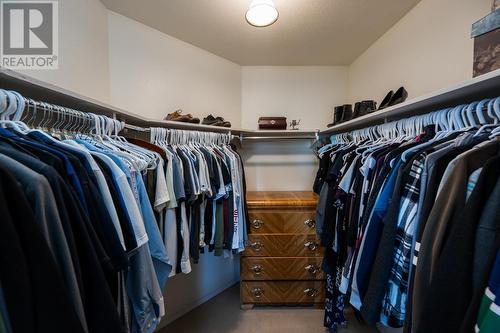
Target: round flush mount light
261, 13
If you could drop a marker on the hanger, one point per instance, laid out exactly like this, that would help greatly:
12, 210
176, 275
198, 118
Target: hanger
496, 108
491, 114
14, 109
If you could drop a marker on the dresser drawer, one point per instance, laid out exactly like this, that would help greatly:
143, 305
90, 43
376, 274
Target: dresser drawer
282, 221
282, 292
286, 245
281, 268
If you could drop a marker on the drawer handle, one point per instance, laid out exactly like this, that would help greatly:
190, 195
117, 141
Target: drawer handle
257, 224
257, 269
257, 246
313, 269
311, 292
257, 292
310, 223
312, 246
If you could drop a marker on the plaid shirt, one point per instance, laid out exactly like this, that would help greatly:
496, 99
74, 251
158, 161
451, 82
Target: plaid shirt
394, 302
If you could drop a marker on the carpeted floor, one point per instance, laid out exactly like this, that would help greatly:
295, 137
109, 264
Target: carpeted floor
222, 314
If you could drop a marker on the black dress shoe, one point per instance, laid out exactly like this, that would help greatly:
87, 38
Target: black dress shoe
387, 99
399, 96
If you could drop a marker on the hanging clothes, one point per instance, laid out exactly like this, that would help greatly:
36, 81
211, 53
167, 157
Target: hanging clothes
94, 224
407, 217
205, 183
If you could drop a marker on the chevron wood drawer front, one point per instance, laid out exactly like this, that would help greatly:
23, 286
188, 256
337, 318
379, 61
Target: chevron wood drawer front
282, 221
282, 262
283, 292
283, 245
273, 268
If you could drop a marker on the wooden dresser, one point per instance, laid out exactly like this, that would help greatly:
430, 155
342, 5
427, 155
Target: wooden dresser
282, 264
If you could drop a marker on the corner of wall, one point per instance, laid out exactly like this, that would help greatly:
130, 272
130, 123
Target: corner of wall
421, 57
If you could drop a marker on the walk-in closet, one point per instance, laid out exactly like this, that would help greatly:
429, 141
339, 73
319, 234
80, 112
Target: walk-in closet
250, 166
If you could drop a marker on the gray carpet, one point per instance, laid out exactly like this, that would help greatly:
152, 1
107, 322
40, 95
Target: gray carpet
222, 314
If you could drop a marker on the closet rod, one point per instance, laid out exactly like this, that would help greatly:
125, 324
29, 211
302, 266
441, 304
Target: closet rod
137, 128
204, 130
62, 119
283, 137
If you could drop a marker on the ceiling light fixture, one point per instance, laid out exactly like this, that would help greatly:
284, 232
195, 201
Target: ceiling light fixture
261, 13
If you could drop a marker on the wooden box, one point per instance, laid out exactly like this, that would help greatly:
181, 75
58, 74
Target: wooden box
486, 34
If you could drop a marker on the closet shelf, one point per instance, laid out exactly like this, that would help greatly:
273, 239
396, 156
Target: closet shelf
39, 90
484, 86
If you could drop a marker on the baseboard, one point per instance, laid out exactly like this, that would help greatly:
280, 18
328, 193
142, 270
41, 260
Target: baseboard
170, 317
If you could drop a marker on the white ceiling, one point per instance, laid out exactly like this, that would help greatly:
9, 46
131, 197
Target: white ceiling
308, 32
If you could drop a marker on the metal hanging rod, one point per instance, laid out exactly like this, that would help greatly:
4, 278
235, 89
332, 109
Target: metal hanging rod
50, 116
148, 129
277, 135
270, 138
137, 128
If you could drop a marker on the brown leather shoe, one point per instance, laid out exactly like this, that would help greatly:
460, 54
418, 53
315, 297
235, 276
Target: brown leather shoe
178, 116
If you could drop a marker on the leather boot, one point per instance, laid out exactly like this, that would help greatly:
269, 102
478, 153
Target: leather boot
347, 113
337, 115
363, 108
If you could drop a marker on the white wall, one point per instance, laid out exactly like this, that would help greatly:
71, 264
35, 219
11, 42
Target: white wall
308, 93
428, 49
83, 50
154, 74
207, 279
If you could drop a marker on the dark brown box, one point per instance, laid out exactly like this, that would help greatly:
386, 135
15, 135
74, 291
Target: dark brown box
486, 34
272, 123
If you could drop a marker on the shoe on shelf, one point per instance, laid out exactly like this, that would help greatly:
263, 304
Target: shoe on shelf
210, 120
337, 115
347, 114
387, 99
194, 120
178, 116
399, 96
215, 121
341, 114
363, 108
